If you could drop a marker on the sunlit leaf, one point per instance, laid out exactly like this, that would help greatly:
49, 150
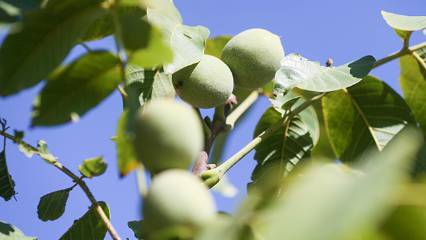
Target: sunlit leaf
36, 47
126, 158
93, 167
297, 71
165, 8
7, 185
413, 84
186, 42
89, 226
9, 232
366, 115
52, 205
334, 203
404, 24
76, 88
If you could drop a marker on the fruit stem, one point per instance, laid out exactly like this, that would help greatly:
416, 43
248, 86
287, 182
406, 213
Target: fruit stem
81, 183
213, 176
241, 109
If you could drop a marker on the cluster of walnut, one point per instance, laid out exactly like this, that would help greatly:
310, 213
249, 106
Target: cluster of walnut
169, 134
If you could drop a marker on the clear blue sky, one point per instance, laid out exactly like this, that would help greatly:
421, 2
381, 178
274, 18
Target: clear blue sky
343, 30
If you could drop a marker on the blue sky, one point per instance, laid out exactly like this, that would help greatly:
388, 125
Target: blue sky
343, 30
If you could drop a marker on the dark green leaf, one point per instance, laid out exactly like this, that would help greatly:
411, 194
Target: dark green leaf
25, 4
335, 203
297, 71
9, 232
406, 222
89, 226
366, 115
75, 89
7, 185
289, 145
99, 29
126, 159
34, 48
93, 167
8, 13
419, 167
214, 46
413, 84
404, 24
137, 228
52, 205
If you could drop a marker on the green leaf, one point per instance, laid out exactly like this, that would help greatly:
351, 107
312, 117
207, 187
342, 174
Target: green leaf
52, 205
75, 89
413, 84
297, 71
99, 29
138, 229
366, 115
187, 43
89, 227
9, 232
334, 203
165, 8
34, 48
145, 43
406, 222
289, 145
93, 167
404, 24
126, 158
7, 185
214, 46
135, 30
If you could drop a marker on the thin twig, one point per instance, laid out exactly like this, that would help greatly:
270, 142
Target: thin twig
402, 52
81, 183
213, 176
233, 117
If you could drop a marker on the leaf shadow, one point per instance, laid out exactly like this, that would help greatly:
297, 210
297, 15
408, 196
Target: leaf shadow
361, 67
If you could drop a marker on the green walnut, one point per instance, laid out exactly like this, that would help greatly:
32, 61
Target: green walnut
168, 135
177, 199
206, 84
253, 56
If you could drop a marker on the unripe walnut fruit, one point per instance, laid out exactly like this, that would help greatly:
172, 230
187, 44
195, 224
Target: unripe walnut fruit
177, 198
206, 84
253, 56
168, 135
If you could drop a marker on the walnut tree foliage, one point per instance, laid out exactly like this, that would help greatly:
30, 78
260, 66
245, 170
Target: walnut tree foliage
339, 153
